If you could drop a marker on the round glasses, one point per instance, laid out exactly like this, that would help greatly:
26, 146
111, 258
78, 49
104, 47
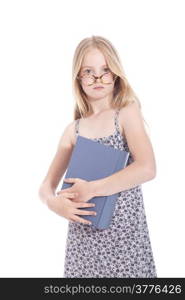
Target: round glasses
105, 78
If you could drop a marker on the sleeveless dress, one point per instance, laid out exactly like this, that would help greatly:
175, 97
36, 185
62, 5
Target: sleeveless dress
124, 248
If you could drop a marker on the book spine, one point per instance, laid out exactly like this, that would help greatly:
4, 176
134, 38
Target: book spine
110, 201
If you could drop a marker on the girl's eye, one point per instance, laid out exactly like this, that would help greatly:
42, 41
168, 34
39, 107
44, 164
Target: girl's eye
87, 70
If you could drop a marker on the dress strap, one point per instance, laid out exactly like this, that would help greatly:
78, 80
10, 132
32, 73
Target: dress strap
115, 122
77, 126
116, 119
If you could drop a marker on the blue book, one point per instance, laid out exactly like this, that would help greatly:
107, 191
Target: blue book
91, 160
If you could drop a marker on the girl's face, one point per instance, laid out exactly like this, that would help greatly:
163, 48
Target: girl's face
94, 63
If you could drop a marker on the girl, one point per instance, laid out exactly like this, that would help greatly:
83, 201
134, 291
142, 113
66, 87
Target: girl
106, 111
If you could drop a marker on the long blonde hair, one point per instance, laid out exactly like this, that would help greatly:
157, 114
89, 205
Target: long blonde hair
123, 93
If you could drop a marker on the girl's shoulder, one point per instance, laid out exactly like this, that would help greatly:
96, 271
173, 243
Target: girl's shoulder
72, 127
124, 112
67, 138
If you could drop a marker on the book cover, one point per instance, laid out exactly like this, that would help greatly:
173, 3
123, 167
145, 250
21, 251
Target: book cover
91, 160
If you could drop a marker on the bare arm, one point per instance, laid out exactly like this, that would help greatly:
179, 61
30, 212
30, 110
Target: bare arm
58, 165
142, 169
63, 205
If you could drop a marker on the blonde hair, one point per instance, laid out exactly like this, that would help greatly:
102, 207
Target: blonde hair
123, 93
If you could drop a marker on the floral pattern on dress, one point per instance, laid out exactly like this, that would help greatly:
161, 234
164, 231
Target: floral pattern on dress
124, 248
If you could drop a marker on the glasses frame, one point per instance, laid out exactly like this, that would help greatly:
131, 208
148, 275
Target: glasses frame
98, 77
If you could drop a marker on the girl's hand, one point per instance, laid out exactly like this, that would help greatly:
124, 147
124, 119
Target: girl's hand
81, 188
65, 207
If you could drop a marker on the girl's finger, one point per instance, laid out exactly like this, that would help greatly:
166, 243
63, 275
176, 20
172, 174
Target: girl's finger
74, 197
83, 204
64, 190
85, 212
70, 195
80, 220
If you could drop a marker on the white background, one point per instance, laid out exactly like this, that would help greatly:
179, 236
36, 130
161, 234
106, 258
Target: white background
38, 40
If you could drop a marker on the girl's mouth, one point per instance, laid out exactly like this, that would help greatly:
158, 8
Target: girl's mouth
98, 87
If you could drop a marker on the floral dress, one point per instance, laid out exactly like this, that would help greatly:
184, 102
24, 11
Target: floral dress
124, 248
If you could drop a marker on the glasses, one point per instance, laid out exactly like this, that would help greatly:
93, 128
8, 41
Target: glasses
105, 78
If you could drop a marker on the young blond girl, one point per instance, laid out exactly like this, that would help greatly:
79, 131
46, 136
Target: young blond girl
107, 111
